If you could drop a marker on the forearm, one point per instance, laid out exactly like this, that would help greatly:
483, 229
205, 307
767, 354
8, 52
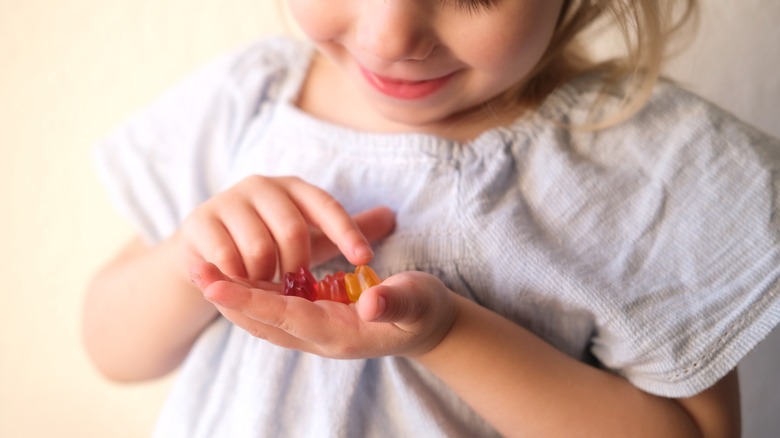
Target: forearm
141, 316
523, 386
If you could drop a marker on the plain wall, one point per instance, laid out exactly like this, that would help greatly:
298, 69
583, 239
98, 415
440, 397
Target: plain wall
71, 71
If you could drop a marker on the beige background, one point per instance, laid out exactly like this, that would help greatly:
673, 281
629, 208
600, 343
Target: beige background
71, 71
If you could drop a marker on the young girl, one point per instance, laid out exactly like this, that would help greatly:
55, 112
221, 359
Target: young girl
567, 247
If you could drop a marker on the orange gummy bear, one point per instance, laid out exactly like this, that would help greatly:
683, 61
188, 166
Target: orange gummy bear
340, 287
363, 278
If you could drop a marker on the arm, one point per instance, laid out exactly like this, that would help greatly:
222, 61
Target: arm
512, 377
516, 381
141, 315
142, 312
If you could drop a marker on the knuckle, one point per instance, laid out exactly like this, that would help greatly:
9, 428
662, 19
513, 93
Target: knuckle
256, 179
291, 180
278, 317
330, 204
223, 255
286, 325
279, 321
258, 331
253, 181
193, 222
295, 232
260, 251
344, 350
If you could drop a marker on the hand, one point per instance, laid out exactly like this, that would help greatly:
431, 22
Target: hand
408, 314
264, 226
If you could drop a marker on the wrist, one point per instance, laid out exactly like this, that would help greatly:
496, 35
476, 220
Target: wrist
439, 349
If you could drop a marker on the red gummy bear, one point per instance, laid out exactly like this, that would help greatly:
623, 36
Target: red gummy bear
332, 288
300, 284
340, 287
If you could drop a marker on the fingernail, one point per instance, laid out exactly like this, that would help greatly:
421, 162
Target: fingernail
381, 305
196, 279
364, 252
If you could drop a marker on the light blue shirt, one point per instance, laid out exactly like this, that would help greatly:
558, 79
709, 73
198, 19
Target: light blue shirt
649, 248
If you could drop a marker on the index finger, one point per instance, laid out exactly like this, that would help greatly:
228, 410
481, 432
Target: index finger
375, 223
322, 210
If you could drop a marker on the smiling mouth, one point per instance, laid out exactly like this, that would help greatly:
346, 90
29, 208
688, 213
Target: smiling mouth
401, 89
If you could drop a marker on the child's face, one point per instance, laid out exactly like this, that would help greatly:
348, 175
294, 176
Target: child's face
424, 62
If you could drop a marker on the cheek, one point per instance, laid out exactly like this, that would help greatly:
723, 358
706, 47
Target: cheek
317, 19
517, 49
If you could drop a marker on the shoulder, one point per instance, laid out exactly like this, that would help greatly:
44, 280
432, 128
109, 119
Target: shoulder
671, 114
272, 55
238, 77
680, 158
250, 72
674, 129
221, 96
176, 152
670, 219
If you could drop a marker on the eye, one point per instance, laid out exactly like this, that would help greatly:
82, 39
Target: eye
473, 6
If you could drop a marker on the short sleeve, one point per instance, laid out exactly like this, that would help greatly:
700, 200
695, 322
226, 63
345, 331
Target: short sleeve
174, 155
695, 283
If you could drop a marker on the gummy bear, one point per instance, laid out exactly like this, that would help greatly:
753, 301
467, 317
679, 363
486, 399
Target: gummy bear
340, 287
300, 284
332, 288
363, 278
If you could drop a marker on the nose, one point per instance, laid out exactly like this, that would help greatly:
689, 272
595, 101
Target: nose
396, 30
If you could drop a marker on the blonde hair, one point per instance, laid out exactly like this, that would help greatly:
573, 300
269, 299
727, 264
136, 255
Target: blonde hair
647, 27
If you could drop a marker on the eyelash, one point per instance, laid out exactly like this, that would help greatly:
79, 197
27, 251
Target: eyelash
475, 5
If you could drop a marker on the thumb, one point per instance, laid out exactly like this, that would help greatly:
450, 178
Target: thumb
400, 300
419, 304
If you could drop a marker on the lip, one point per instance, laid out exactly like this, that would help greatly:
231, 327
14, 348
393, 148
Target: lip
407, 90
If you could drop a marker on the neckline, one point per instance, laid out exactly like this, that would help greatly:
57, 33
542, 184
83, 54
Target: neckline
524, 125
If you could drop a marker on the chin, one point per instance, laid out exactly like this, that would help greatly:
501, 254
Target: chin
409, 121
412, 116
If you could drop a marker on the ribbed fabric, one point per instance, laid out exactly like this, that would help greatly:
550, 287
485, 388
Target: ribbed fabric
650, 248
